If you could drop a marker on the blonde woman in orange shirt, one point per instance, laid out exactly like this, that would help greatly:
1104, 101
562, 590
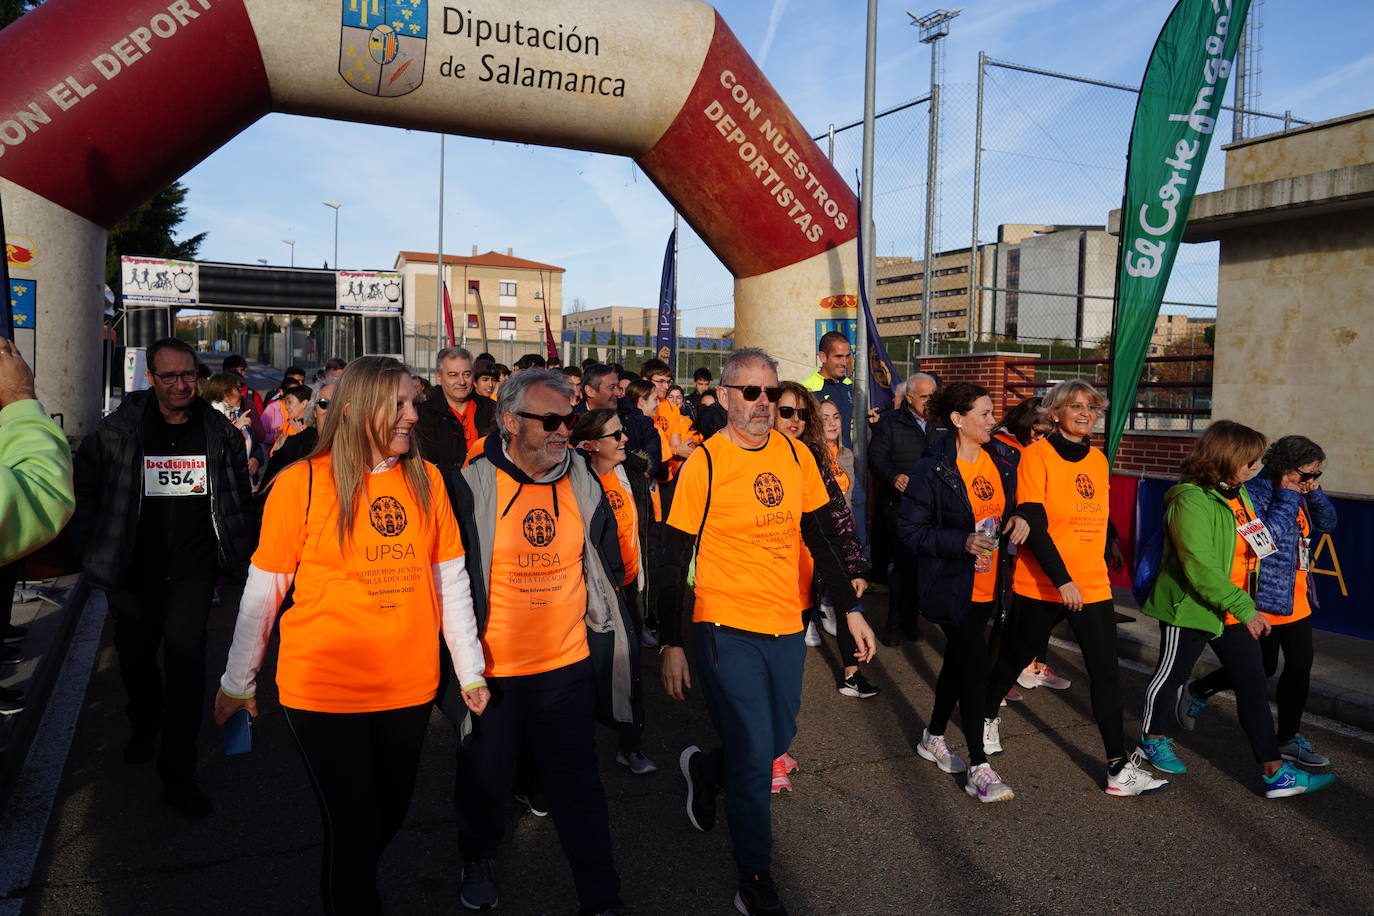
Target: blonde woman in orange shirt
362, 531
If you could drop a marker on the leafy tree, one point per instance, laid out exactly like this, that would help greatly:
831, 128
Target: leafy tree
149, 231
11, 10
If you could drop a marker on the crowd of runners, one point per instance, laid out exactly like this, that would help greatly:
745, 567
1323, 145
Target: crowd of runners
508, 544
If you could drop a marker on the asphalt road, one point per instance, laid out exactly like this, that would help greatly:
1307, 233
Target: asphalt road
870, 828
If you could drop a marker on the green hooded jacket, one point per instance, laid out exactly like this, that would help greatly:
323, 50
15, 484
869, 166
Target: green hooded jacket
1194, 588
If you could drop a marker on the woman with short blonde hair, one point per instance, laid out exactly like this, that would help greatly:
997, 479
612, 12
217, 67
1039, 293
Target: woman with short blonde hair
1061, 486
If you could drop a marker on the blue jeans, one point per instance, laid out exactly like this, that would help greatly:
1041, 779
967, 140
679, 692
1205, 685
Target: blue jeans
753, 690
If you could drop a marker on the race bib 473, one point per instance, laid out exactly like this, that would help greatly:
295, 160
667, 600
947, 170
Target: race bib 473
174, 475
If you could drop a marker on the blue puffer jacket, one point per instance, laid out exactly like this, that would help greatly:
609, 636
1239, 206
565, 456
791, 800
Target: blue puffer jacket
1278, 508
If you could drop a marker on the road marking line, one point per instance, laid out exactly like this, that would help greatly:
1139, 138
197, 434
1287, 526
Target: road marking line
25, 821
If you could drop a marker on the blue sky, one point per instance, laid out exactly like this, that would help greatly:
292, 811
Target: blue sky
1058, 148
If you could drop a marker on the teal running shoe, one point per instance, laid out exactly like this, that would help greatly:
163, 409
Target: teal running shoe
1289, 780
1160, 753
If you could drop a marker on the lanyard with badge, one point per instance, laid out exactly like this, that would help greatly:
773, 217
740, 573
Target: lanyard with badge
1304, 541
1261, 542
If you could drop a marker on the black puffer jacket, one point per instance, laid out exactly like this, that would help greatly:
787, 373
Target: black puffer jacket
109, 491
935, 521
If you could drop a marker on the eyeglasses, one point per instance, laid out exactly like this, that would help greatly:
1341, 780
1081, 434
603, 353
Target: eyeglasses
801, 413
1305, 476
322, 403
1080, 408
752, 392
617, 435
551, 421
171, 378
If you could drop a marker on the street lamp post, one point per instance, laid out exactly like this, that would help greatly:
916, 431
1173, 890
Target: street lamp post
292, 243
334, 205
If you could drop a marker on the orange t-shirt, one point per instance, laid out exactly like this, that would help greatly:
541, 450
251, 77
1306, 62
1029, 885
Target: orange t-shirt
537, 597
841, 478
667, 420
1301, 606
475, 450
626, 523
985, 494
363, 632
750, 556
1243, 561
1009, 439
1074, 494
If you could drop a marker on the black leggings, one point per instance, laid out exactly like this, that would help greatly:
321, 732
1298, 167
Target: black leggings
964, 678
362, 767
1095, 629
1295, 639
1179, 648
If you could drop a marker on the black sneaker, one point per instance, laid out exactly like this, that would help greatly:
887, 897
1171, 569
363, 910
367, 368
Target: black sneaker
478, 891
856, 685
701, 798
9, 655
11, 701
15, 633
758, 897
187, 798
535, 802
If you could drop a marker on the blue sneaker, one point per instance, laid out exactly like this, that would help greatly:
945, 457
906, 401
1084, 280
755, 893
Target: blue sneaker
1160, 753
1189, 706
1289, 780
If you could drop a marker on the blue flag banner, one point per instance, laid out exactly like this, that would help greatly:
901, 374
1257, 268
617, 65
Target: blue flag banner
882, 375
665, 345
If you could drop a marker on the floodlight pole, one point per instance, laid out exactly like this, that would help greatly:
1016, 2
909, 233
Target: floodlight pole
860, 366
933, 26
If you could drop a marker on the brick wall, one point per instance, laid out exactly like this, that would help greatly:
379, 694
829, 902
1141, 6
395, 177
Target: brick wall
1153, 452
1147, 452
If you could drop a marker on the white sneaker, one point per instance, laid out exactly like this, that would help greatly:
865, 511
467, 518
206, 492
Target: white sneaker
992, 739
813, 635
985, 785
935, 749
1134, 779
1048, 678
827, 611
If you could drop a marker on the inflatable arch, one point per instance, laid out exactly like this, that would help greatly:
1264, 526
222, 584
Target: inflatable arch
107, 101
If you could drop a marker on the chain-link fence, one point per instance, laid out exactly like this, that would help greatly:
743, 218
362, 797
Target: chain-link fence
1038, 274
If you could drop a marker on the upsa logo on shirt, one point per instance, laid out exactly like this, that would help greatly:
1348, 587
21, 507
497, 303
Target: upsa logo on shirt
768, 489
616, 500
661, 423
1084, 484
539, 528
388, 516
982, 488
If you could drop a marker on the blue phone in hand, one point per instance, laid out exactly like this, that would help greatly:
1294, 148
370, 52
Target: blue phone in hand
238, 733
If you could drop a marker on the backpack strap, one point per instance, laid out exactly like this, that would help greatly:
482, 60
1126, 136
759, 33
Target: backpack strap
706, 508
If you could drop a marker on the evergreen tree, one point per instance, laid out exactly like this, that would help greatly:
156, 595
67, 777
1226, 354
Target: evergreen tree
149, 231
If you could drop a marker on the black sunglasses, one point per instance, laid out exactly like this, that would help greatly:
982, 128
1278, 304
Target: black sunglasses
617, 435
752, 392
1305, 476
800, 412
551, 421
322, 403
